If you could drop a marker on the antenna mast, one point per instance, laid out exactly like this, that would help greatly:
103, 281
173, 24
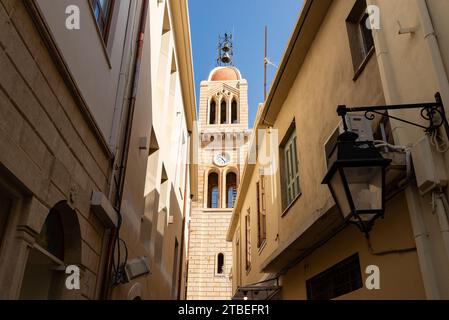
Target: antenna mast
265, 63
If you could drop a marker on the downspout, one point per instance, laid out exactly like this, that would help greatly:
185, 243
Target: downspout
125, 147
441, 206
434, 51
125, 65
184, 222
412, 194
132, 102
430, 37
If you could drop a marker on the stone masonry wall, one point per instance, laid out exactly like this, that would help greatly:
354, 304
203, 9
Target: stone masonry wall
208, 238
46, 146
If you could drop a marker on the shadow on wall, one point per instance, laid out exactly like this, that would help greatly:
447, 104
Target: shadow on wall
161, 232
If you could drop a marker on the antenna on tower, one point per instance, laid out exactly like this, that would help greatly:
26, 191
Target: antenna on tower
225, 50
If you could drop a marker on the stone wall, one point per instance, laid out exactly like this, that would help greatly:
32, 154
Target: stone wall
208, 239
48, 152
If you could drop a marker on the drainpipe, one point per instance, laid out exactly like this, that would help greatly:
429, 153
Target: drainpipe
416, 211
183, 260
440, 199
125, 147
434, 51
441, 206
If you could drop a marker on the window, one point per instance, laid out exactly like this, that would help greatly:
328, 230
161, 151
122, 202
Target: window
231, 189
234, 113
248, 239
103, 13
213, 191
223, 118
360, 36
261, 213
342, 278
290, 171
213, 112
220, 264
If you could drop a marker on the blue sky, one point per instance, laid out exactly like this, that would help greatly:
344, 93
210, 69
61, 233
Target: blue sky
247, 20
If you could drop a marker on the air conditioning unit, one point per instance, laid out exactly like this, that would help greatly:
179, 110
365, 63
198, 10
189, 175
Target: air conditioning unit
356, 123
429, 166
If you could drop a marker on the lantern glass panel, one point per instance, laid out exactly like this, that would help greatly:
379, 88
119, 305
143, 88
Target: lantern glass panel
365, 185
338, 188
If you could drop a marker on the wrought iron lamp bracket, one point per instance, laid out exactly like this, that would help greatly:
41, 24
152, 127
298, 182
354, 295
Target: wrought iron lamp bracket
432, 112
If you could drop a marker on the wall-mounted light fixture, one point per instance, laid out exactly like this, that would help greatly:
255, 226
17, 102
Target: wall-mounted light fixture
356, 177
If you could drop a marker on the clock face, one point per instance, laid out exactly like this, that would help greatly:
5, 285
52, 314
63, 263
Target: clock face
222, 159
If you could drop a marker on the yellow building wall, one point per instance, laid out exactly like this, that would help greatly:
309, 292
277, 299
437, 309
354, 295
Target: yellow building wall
400, 276
325, 81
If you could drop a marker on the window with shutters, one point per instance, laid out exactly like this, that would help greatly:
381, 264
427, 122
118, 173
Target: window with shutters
261, 212
360, 36
248, 239
290, 168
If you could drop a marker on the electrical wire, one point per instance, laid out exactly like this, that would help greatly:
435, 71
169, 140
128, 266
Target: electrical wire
116, 265
440, 145
386, 252
408, 159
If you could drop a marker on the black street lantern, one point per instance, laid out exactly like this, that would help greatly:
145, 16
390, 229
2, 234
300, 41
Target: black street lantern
356, 180
356, 177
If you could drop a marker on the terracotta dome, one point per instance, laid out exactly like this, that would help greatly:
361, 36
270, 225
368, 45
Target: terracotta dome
225, 74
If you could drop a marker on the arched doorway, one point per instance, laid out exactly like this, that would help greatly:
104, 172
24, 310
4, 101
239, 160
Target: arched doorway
57, 246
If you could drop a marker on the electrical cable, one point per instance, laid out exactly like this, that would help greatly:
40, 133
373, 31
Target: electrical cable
440, 145
386, 252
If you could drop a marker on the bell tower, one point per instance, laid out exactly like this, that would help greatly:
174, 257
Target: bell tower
224, 135
225, 50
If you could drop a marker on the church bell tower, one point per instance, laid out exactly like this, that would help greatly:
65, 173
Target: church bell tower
224, 135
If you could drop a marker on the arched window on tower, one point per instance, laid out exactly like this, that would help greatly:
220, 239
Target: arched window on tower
220, 264
223, 118
213, 112
234, 113
231, 189
213, 191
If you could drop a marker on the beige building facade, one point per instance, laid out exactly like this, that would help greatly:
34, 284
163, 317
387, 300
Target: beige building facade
222, 147
290, 240
87, 177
